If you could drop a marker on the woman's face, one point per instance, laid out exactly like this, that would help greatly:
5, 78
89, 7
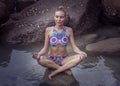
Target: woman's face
59, 18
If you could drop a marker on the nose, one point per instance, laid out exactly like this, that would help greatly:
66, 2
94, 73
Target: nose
59, 19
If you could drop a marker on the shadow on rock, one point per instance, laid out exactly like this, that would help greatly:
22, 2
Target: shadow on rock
61, 79
5, 55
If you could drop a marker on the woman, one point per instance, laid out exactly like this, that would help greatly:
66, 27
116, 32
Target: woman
56, 40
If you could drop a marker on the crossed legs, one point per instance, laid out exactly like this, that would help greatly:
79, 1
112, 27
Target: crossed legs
67, 63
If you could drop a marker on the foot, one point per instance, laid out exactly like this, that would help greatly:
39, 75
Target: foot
51, 75
68, 72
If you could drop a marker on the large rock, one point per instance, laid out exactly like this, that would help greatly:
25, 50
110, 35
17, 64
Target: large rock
86, 39
83, 15
21, 4
23, 32
108, 46
61, 79
10, 5
89, 20
17, 5
111, 11
4, 15
30, 23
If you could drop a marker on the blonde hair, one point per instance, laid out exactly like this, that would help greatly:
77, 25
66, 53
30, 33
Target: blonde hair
61, 8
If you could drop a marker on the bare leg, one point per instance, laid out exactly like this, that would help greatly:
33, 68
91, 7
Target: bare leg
44, 61
69, 63
68, 72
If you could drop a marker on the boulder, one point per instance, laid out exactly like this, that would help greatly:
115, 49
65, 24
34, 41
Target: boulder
86, 39
10, 5
4, 15
21, 4
108, 46
29, 25
61, 79
111, 12
18, 5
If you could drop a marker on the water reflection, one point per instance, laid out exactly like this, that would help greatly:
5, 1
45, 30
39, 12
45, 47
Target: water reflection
114, 64
21, 71
98, 74
6, 50
18, 68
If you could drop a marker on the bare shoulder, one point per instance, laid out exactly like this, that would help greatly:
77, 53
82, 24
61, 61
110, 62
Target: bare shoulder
49, 30
69, 30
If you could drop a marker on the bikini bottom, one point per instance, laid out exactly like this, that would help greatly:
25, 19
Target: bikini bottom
57, 60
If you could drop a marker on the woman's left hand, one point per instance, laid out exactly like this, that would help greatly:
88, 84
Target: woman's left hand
83, 54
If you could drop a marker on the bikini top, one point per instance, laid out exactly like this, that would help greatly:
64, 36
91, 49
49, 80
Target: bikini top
59, 38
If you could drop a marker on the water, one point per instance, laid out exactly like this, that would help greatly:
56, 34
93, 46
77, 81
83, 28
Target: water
18, 68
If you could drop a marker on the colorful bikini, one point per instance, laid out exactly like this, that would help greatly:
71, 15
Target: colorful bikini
57, 60
58, 39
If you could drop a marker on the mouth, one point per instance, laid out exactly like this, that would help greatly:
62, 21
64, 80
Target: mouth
59, 22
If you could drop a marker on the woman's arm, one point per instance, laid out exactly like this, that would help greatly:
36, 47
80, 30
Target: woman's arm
46, 43
72, 42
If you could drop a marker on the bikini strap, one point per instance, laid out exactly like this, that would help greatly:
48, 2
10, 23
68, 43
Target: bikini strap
65, 30
54, 29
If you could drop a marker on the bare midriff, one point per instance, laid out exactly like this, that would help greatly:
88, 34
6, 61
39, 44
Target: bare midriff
58, 51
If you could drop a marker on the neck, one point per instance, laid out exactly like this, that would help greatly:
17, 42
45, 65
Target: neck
59, 27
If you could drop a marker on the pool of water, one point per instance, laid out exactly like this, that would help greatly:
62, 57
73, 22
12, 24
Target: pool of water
18, 68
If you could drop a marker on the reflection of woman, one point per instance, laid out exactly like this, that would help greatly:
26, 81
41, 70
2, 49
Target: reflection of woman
57, 38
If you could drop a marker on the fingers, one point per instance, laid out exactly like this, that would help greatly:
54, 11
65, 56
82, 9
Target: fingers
83, 54
36, 55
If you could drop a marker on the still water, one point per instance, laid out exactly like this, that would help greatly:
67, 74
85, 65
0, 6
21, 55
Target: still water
18, 68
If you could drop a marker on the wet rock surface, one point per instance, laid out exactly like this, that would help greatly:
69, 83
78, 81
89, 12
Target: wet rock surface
109, 46
61, 79
107, 41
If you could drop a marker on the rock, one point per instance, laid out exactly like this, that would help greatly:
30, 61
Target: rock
109, 31
111, 12
61, 79
10, 5
89, 21
108, 46
86, 39
83, 14
17, 5
21, 4
23, 32
29, 25
4, 15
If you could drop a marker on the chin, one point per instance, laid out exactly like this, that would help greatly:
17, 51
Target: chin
60, 24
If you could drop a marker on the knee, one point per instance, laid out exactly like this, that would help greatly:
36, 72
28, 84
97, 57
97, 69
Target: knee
79, 57
43, 62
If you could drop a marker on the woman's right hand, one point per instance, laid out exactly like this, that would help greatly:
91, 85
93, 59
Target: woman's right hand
36, 55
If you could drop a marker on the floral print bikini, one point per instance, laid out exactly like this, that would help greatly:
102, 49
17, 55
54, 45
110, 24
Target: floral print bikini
58, 39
